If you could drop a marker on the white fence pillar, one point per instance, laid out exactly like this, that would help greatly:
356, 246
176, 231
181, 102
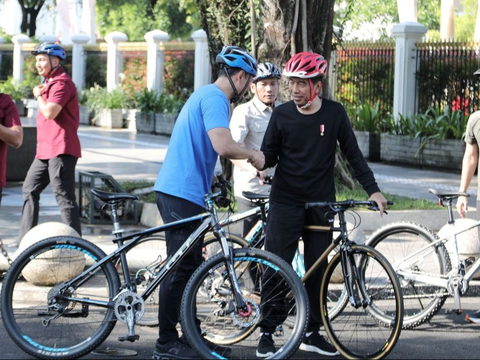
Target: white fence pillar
203, 69
79, 60
114, 58
406, 35
50, 39
155, 59
18, 57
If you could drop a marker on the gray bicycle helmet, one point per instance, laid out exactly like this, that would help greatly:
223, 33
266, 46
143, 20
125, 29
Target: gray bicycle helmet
267, 70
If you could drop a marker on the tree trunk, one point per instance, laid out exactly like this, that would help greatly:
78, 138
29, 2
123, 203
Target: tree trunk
30, 11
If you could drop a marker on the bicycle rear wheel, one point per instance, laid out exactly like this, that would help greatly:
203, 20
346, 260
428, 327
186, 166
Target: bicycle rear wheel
48, 319
208, 297
360, 331
397, 242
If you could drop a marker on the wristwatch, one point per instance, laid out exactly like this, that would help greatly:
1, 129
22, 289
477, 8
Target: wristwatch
36, 97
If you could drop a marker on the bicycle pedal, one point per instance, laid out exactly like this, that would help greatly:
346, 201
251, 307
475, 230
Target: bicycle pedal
130, 338
454, 311
469, 261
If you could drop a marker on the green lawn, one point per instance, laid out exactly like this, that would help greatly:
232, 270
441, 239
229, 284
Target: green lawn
401, 202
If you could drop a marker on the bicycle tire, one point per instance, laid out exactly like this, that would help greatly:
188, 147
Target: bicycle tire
51, 334
338, 298
241, 330
397, 240
211, 245
357, 332
144, 261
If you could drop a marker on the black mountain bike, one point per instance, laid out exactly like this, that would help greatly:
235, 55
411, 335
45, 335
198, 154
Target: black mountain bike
62, 297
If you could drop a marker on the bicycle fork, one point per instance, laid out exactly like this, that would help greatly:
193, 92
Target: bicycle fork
351, 274
228, 255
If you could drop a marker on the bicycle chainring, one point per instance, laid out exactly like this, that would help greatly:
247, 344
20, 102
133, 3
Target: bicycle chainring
129, 305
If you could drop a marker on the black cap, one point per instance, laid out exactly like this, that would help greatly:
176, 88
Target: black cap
477, 72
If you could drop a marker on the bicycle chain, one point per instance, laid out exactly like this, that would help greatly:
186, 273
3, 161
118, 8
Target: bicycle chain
5, 254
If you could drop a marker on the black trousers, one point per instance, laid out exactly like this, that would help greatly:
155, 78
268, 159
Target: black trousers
285, 226
171, 289
60, 172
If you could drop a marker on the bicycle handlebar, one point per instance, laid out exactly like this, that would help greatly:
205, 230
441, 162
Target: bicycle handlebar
220, 197
341, 206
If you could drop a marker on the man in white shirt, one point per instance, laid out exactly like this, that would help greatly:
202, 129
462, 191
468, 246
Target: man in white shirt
248, 125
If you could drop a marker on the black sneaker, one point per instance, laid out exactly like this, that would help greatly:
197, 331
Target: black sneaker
266, 346
174, 350
473, 318
317, 343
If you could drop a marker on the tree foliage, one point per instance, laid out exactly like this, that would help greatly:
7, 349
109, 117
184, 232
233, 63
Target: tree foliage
137, 18
353, 14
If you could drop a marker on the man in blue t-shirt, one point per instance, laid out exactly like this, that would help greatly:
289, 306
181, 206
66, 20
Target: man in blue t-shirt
201, 133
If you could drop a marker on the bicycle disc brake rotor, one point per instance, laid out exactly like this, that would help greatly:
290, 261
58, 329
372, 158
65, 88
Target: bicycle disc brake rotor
129, 304
246, 317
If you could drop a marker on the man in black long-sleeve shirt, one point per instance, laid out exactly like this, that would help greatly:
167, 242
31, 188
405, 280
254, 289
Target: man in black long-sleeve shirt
301, 139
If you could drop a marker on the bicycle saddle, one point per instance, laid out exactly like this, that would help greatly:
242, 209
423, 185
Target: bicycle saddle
254, 196
447, 195
113, 197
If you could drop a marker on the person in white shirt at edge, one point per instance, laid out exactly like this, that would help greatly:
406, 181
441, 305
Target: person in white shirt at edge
248, 124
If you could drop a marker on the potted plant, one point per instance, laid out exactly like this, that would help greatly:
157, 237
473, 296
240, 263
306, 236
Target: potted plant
108, 106
432, 139
366, 126
18, 92
158, 112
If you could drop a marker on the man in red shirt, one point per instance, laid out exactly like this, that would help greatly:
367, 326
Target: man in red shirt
58, 146
11, 133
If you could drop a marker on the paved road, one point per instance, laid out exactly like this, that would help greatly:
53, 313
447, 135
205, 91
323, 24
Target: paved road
127, 155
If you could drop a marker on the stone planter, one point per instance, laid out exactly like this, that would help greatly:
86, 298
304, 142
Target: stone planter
155, 123
22, 110
446, 154
369, 143
84, 115
109, 118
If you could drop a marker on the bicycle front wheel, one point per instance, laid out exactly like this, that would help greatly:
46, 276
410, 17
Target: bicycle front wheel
48, 319
209, 310
359, 331
408, 247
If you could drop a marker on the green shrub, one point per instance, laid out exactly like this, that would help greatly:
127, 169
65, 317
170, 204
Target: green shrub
17, 91
149, 101
368, 118
99, 98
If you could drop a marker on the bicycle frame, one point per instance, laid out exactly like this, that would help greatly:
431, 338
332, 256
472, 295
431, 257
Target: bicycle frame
435, 280
341, 238
208, 221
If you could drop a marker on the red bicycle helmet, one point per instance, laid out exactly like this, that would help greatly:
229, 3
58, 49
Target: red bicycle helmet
307, 65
